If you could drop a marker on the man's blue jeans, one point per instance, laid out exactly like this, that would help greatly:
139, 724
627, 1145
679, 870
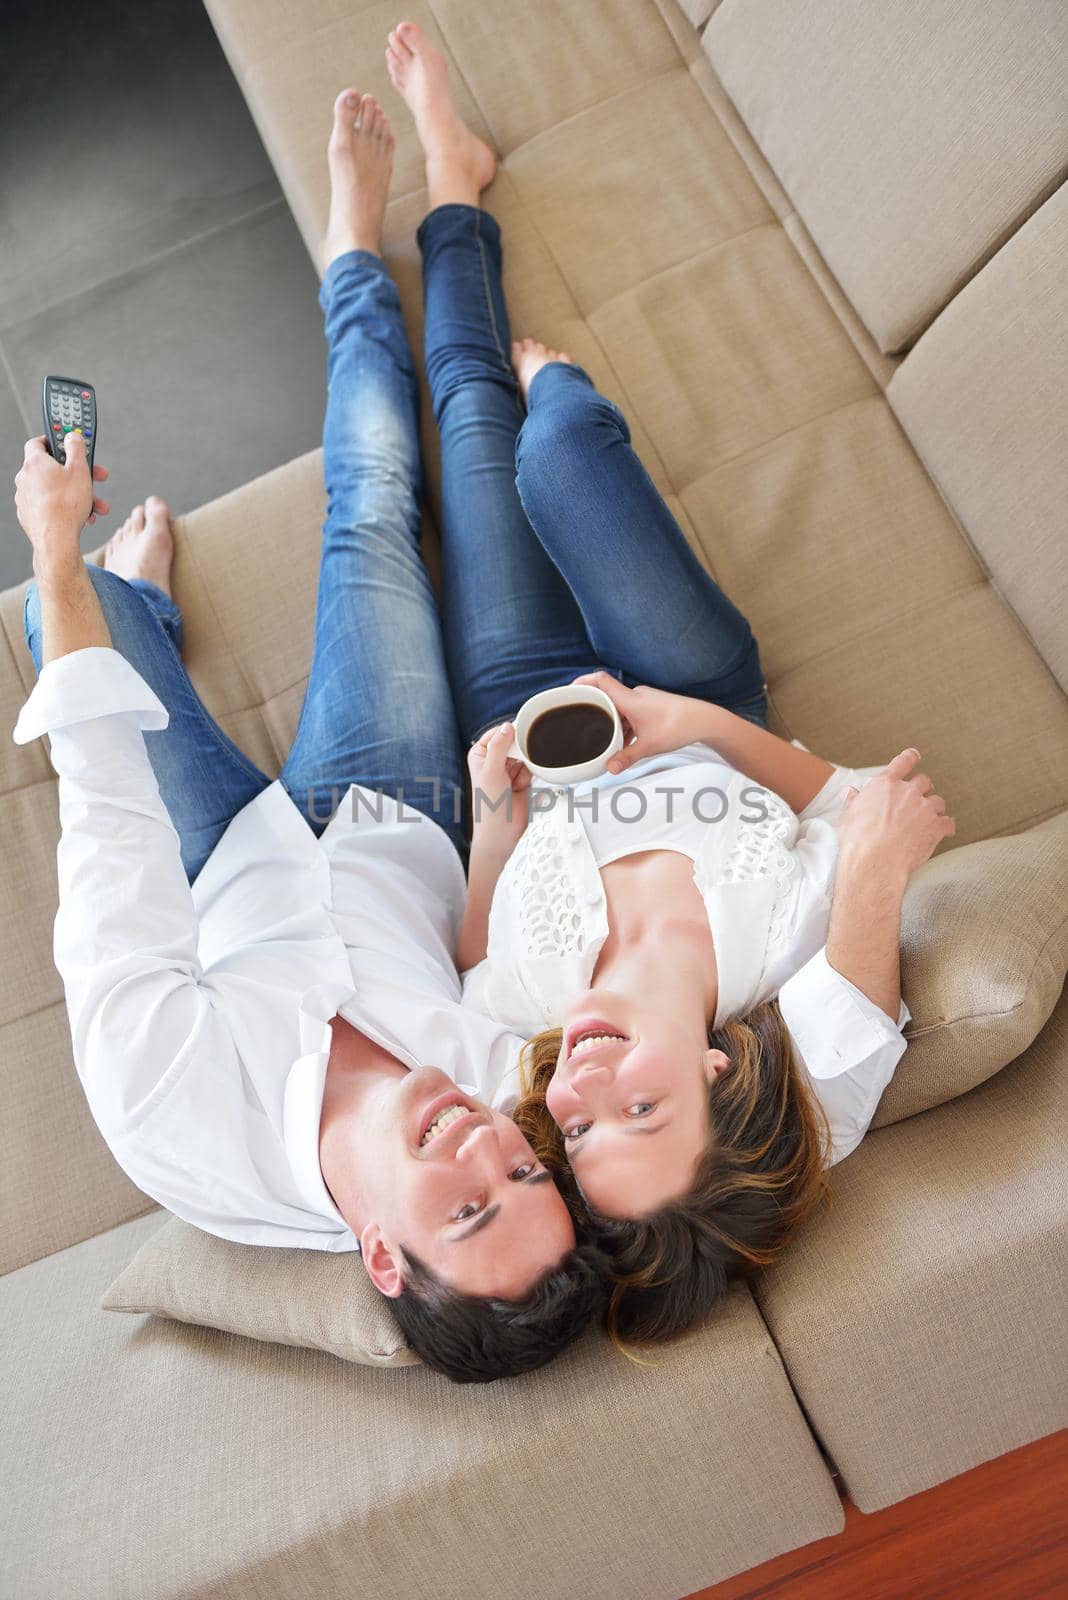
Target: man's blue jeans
377, 710
603, 578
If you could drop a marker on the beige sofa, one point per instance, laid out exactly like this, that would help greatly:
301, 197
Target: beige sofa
816, 252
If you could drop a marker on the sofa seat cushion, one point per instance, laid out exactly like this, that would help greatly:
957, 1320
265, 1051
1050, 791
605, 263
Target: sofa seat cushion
921, 1318
314, 1298
913, 139
983, 397
216, 1467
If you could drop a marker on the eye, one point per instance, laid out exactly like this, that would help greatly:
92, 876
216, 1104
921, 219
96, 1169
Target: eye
578, 1130
641, 1108
523, 1171
465, 1213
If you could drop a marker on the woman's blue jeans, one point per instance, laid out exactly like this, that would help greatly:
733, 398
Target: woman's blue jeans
559, 555
599, 576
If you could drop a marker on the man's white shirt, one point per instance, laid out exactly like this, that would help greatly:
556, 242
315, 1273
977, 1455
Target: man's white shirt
200, 1016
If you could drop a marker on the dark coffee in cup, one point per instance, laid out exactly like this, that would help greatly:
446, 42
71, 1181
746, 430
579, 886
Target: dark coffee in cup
566, 736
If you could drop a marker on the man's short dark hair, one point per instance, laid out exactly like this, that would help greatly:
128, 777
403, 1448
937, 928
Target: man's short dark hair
475, 1339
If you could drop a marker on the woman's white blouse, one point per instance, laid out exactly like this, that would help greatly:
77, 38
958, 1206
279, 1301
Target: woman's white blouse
766, 876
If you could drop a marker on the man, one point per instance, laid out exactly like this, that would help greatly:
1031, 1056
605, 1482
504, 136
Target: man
255, 990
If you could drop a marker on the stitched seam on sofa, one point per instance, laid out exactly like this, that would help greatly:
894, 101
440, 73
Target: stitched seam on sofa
1030, 822
913, 611
887, 621
75, 1244
596, 105
769, 224
190, 550
968, 540
993, 1016
38, 1011
615, 95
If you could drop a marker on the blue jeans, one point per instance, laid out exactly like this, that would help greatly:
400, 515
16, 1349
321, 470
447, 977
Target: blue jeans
558, 554
377, 710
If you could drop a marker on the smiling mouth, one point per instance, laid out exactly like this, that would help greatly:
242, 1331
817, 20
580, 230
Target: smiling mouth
442, 1120
595, 1038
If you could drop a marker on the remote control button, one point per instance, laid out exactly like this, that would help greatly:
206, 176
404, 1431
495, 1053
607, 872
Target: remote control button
85, 394
57, 427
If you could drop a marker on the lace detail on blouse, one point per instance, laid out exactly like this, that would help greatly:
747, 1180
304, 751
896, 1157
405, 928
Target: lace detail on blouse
763, 850
550, 918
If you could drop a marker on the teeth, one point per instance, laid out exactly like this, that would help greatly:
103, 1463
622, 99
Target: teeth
442, 1121
590, 1041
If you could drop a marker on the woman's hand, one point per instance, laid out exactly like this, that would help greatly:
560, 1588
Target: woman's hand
500, 803
500, 792
896, 822
654, 721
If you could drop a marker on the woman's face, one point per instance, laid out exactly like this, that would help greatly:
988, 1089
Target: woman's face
630, 1096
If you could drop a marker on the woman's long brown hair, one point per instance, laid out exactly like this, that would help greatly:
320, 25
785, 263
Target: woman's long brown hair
761, 1174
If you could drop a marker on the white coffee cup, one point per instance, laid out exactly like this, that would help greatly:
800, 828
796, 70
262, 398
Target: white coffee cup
569, 694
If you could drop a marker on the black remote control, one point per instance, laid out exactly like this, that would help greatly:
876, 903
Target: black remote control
69, 406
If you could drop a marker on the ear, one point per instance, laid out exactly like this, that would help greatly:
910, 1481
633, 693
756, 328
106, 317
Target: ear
715, 1062
382, 1263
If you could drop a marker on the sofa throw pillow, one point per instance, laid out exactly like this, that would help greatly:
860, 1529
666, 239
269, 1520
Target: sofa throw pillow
984, 948
315, 1298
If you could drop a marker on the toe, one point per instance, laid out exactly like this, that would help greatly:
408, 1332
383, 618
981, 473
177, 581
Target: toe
156, 510
345, 107
406, 36
137, 519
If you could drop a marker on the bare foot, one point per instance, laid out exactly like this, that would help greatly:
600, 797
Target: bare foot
459, 164
144, 546
528, 358
360, 158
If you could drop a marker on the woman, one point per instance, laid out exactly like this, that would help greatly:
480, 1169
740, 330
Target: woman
709, 1033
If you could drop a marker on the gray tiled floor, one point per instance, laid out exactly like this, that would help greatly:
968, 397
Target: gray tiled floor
147, 248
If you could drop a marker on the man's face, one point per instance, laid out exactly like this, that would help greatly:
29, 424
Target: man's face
456, 1184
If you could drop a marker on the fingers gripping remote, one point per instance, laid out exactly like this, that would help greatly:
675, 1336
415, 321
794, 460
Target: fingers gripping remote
69, 406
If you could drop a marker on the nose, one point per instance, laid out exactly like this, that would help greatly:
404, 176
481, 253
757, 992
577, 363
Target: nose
480, 1141
591, 1073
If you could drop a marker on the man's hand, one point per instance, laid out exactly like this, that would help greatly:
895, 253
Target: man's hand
53, 503
500, 792
654, 721
896, 821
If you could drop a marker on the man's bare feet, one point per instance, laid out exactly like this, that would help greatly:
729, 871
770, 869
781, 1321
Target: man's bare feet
459, 164
360, 158
528, 358
144, 546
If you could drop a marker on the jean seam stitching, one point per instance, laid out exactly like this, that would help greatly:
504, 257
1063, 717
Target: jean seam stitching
505, 363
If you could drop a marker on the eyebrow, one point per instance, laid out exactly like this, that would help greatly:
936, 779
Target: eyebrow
484, 1218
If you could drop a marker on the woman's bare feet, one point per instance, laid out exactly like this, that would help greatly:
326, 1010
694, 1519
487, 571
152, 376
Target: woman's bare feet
360, 158
528, 358
459, 164
144, 546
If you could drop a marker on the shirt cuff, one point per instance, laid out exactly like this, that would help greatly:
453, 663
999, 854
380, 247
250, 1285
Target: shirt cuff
84, 685
834, 1024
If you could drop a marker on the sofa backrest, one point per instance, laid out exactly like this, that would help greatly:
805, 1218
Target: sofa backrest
925, 146
913, 138
984, 399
